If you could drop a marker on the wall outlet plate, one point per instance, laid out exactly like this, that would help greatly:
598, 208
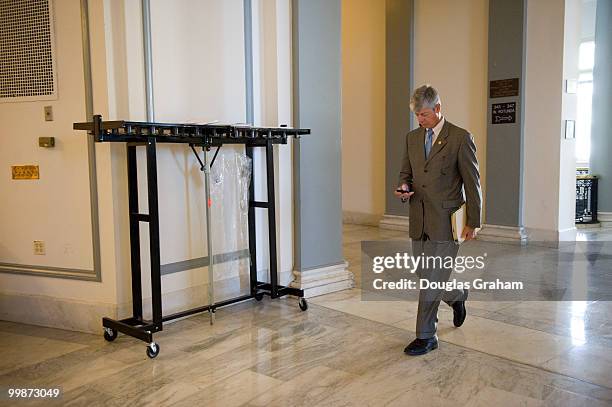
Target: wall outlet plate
39, 247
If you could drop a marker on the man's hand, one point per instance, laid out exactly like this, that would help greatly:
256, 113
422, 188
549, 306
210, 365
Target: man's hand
469, 233
403, 193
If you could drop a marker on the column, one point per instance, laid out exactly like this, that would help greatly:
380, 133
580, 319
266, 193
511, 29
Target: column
399, 53
601, 142
319, 265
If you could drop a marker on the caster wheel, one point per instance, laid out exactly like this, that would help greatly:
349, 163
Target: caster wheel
303, 304
152, 350
110, 334
259, 296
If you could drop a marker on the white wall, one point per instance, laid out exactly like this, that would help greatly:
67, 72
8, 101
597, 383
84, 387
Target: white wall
198, 59
272, 93
57, 208
587, 17
198, 76
27, 207
549, 163
567, 161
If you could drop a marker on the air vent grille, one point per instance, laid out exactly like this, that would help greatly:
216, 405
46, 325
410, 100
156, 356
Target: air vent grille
26, 50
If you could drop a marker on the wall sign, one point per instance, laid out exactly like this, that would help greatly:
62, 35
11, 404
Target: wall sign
25, 172
502, 113
504, 88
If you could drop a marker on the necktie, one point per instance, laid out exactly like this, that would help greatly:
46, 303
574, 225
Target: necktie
428, 141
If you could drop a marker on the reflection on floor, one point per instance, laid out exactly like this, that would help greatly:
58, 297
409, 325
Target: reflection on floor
343, 351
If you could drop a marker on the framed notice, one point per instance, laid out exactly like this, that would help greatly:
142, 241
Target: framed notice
504, 88
503, 113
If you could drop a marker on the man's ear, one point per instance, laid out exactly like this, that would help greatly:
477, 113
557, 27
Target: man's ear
437, 108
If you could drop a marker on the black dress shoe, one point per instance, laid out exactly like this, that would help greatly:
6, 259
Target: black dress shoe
421, 346
459, 313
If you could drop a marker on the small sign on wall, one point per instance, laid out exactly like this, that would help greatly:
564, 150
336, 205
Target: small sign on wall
25, 172
504, 88
502, 113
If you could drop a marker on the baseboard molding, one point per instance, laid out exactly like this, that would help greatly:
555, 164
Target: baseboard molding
551, 238
360, 218
522, 235
587, 226
62, 313
73, 315
394, 222
502, 234
605, 219
546, 235
324, 280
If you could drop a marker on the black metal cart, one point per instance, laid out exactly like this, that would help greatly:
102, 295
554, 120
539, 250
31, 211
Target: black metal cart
205, 136
586, 199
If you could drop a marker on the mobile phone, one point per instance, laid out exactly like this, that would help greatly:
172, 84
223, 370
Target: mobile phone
402, 191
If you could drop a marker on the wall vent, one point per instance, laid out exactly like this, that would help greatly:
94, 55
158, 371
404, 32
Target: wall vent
27, 51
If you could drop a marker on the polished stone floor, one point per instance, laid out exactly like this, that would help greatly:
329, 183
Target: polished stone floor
342, 352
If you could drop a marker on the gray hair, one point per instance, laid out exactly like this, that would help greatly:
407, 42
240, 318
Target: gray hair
424, 97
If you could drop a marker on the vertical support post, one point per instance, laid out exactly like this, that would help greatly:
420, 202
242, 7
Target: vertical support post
148, 59
132, 168
154, 231
209, 237
271, 218
251, 219
248, 59
594, 193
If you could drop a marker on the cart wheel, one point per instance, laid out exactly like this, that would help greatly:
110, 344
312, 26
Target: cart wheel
110, 334
152, 350
303, 304
259, 296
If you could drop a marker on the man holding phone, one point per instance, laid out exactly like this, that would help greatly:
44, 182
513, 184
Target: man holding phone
438, 166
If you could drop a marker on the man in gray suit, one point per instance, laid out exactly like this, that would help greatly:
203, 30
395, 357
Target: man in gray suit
439, 165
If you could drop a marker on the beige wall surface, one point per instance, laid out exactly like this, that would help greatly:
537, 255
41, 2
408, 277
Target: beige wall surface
27, 207
450, 53
56, 208
363, 107
550, 164
198, 59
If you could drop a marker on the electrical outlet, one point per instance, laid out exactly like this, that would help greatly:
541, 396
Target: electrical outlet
39, 247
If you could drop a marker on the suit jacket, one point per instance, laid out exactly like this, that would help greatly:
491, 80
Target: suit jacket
440, 181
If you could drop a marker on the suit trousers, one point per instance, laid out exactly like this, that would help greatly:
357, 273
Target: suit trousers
435, 252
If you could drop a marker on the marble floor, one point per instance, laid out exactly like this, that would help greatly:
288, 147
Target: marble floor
342, 352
